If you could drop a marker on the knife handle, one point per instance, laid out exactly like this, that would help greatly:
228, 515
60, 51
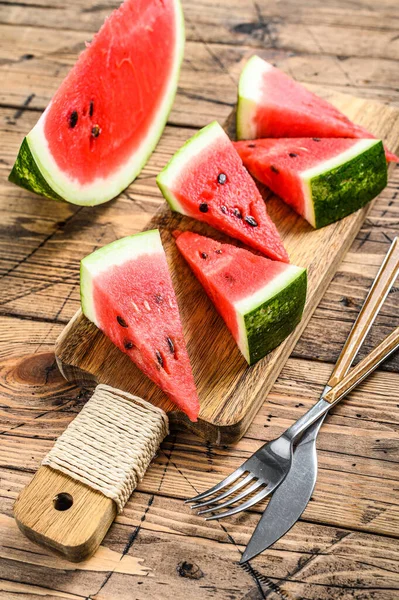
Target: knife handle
379, 290
364, 368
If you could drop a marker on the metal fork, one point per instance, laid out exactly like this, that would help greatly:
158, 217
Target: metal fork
268, 467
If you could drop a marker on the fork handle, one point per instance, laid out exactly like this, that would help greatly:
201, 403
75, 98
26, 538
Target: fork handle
350, 381
364, 368
375, 298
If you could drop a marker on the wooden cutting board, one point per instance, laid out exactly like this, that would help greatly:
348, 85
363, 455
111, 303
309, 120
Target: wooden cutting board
230, 392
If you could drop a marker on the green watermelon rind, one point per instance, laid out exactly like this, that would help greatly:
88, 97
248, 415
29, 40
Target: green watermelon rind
105, 258
45, 178
271, 314
340, 186
170, 173
249, 87
27, 174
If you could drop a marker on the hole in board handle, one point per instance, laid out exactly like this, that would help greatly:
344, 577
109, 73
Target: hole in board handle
62, 501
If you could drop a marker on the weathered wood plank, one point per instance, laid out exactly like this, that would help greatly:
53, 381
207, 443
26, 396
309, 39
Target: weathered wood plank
207, 87
164, 527
346, 46
229, 398
344, 498
42, 231
341, 29
38, 281
20, 337
358, 445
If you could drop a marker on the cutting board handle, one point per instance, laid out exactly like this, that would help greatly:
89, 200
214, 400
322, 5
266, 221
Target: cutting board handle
63, 514
90, 473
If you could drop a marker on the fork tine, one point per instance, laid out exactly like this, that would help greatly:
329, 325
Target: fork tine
257, 498
243, 494
231, 490
222, 484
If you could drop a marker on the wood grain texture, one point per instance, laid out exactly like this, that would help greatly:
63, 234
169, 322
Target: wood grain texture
229, 396
76, 532
376, 297
364, 367
341, 46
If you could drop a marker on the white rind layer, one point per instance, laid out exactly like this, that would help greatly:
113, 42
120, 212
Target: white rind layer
104, 189
116, 253
167, 178
246, 305
358, 148
249, 96
325, 166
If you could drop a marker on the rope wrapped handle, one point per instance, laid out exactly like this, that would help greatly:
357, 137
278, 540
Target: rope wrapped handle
111, 443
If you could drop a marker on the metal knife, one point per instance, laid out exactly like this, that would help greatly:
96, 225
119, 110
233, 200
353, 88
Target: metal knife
292, 496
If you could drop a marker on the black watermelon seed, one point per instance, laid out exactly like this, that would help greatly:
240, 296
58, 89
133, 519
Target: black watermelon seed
203, 207
128, 344
251, 221
95, 132
122, 322
274, 169
223, 209
73, 119
316, 139
222, 178
293, 155
204, 255
171, 345
237, 213
218, 251
91, 108
158, 298
159, 357
251, 146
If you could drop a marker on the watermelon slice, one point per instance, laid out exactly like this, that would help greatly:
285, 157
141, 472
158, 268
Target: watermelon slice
126, 290
323, 179
271, 104
107, 116
261, 300
206, 180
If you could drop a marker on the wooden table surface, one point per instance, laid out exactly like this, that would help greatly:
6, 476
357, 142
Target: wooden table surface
346, 544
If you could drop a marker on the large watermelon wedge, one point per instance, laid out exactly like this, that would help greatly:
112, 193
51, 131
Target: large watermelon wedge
126, 290
323, 179
260, 300
206, 180
271, 104
107, 116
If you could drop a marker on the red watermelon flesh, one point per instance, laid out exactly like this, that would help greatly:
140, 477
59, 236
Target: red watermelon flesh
271, 104
206, 180
260, 300
247, 272
323, 179
278, 163
108, 114
127, 292
112, 101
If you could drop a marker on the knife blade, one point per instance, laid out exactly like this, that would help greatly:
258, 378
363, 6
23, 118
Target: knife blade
291, 498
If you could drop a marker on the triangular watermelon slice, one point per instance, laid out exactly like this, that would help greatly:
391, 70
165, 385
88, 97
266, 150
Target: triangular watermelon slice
323, 179
108, 114
206, 180
271, 104
260, 300
126, 290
